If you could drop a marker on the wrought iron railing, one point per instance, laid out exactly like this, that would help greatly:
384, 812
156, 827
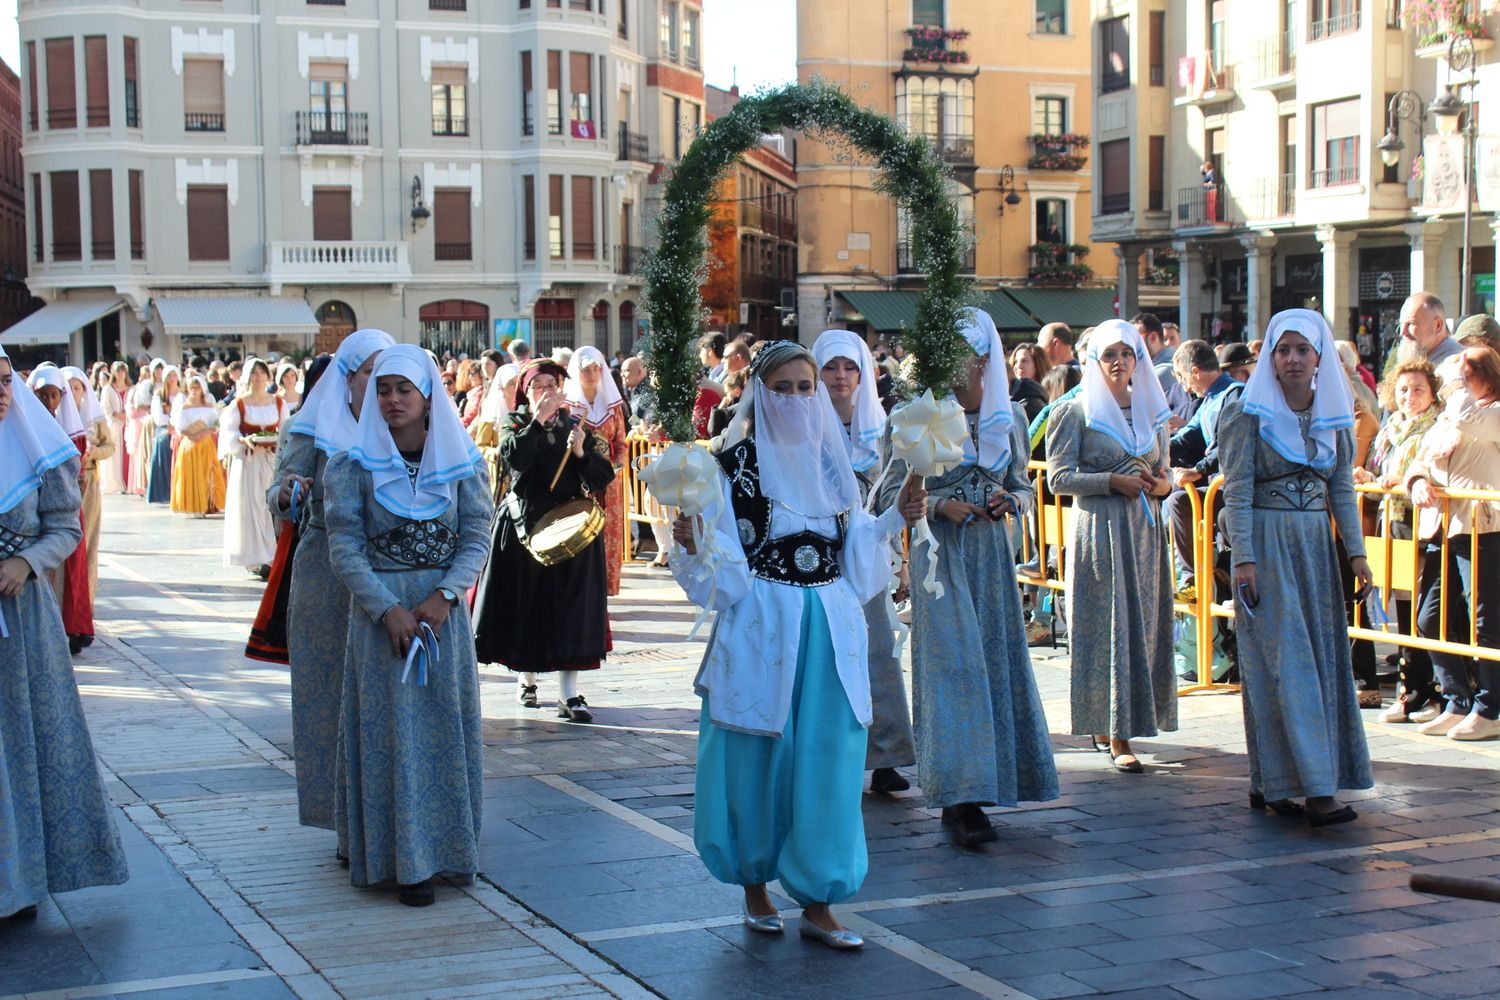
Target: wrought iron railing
203, 121
333, 128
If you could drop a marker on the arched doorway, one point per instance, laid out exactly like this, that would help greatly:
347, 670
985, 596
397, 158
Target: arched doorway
601, 326
454, 327
335, 322
627, 327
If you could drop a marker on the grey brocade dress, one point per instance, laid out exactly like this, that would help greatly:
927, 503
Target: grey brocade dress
1119, 586
57, 829
1303, 731
410, 766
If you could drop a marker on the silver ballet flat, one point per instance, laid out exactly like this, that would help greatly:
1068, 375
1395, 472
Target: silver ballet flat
843, 940
768, 924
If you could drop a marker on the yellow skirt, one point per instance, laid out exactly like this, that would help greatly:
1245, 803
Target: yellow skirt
197, 477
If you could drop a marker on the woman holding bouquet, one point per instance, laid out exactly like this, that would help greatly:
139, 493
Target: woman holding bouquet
197, 476
247, 441
793, 558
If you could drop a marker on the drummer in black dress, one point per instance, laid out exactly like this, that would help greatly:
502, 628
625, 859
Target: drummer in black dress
528, 617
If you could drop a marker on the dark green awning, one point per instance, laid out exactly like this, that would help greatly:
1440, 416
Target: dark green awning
891, 312
1077, 307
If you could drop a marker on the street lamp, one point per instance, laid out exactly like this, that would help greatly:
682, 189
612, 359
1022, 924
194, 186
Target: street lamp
1446, 110
1008, 187
1406, 104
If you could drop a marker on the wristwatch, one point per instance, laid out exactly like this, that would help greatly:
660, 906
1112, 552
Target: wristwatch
448, 595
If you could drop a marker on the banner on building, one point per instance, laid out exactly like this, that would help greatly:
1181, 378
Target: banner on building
1487, 173
1443, 186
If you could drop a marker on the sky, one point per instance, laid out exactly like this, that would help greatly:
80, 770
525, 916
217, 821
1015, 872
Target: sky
754, 41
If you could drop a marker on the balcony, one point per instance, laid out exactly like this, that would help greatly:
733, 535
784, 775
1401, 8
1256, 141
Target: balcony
957, 149
1200, 207
1059, 264
1334, 177
906, 259
453, 251
203, 121
333, 128
1275, 198
447, 5
62, 117
1204, 81
1057, 152
98, 115
450, 125
628, 259
1275, 63
1332, 27
754, 216
633, 146
337, 262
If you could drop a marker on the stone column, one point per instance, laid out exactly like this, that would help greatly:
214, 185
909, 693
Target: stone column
1259, 255
1338, 270
1190, 289
1426, 248
1128, 271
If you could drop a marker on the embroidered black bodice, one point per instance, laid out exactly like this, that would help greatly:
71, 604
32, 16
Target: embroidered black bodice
802, 559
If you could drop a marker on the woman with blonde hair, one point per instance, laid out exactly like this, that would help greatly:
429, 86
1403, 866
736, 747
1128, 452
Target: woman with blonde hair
197, 476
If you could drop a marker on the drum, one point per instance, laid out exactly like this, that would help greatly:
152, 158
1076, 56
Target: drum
565, 531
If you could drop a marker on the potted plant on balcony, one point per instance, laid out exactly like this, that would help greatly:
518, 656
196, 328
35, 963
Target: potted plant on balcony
1057, 152
1437, 22
1055, 264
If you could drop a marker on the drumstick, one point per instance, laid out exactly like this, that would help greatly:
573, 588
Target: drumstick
558, 474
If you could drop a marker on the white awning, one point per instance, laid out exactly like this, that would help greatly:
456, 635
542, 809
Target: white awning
249, 315
56, 322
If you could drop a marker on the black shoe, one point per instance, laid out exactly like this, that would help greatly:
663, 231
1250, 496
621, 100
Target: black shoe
526, 695
1281, 807
576, 710
1344, 815
24, 913
75, 644
887, 779
420, 894
971, 827
264, 572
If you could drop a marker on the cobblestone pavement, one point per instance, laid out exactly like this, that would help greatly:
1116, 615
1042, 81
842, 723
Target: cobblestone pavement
1155, 886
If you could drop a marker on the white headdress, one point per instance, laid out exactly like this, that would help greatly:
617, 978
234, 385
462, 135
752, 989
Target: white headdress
90, 412
868, 424
1333, 400
995, 417
605, 398
1149, 411
447, 457
325, 415
68, 416
31, 441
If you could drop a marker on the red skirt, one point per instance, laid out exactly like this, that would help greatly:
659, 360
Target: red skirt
268, 634
77, 606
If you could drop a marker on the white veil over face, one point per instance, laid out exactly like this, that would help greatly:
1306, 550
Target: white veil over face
1333, 399
800, 443
868, 424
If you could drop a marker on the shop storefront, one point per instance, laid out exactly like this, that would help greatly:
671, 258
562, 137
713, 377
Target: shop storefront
1384, 284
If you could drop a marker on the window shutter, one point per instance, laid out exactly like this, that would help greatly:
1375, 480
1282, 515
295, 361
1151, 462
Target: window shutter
333, 214
102, 214
62, 95
580, 77
208, 222
1114, 167
554, 216
328, 71
137, 215
32, 84
452, 235
96, 78
38, 232
528, 192
452, 76
203, 86
583, 218
130, 70
66, 242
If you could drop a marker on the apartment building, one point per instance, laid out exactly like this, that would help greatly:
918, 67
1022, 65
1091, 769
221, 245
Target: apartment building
1003, 90
267, 175
752, 235
1286, 102
15, 301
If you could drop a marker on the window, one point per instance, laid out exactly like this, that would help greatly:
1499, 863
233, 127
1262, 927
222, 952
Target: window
455, 326
1335, 143
528, 110
333, 213
450, 100
207, 222
581, 85
96, 80
62, 96
584, 245
452, 210
36, 218
669, 31
940, 108
927, 12
554, 92
1156, 40
1051, 116
1218, 32
555, 217
102, 214
1333, 17
1114, 54
674, 140
66, 242
555, 325
132, 86
624, 8
137, 185
1051, 17
203, 95
1051, 220
528, 212
1156, 174
690, 54
1114, 171
328, 102
32, 87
